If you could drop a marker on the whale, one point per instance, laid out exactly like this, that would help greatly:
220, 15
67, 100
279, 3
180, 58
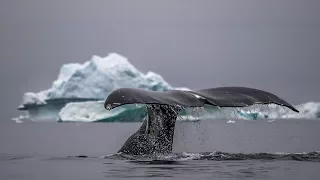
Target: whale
155, 136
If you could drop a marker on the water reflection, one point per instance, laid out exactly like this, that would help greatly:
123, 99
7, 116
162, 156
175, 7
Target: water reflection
192, 170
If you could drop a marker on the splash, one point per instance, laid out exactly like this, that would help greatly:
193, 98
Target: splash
217, 156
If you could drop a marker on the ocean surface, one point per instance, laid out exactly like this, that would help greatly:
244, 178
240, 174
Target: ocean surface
208, 149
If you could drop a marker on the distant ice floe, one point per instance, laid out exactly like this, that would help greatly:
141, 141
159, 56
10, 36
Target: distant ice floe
95, 112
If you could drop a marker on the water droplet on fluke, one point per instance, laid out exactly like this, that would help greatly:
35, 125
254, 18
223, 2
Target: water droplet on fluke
108, 107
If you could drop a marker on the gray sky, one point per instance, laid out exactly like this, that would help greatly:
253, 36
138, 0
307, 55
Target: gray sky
272, 45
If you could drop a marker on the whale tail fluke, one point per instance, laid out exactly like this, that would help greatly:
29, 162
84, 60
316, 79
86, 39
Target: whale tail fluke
156, 133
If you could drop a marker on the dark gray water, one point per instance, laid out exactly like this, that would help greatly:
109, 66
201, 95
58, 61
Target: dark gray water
282, 149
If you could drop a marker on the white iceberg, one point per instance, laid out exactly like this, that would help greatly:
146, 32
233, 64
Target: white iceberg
93, 80
96, 79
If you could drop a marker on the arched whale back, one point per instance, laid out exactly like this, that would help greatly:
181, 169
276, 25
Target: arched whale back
221, 96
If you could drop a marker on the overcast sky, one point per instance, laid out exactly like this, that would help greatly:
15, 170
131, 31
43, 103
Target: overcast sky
272, 45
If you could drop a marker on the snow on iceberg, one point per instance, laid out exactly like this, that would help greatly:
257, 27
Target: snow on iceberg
96, 79
91, 81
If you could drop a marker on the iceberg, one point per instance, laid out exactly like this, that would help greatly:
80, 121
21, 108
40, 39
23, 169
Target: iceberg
93, 80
